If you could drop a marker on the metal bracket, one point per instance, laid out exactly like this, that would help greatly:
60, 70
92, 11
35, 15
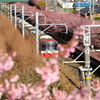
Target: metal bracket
85, 69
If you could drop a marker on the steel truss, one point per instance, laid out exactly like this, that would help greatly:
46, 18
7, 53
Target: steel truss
86, 71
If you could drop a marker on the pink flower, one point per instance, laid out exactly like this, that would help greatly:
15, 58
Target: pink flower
61, 48
72, 49
93, 22
75, 36
53, 61
97, 97
95, 85
14, 54
39, 88
13, 92
73, 43
23, 89
49, 74
78, 32
14, 78
66, 55
6, 84
81, 27
82, 94
6, 63
59, 95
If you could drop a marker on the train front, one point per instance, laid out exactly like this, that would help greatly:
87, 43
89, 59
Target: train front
48, 46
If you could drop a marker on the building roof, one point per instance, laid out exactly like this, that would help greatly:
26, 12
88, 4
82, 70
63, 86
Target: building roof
84, 10
87, 9
82, 4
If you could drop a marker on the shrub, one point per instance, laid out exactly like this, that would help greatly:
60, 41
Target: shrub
40, 3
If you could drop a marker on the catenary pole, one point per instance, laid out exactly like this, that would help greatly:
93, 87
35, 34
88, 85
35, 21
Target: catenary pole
15, 16
87, 57
23, 21
37, 33
11, 12
90, 9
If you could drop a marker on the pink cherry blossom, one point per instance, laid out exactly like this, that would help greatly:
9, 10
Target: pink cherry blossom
61, 48
95, 85
93, 22
47, 74
60, 95
6, 62
6, 84
14, 78
53, 61
13, 92
14, 53
97, 97
66, 55
78, 32
73, 43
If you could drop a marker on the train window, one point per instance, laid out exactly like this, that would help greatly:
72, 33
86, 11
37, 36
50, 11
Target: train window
44, 46
49, 46
54, 46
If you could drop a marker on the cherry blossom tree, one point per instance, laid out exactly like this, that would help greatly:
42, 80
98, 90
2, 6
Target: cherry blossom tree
41, 4
72, 20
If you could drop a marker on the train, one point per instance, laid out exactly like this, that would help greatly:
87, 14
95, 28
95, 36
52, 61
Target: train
48, 46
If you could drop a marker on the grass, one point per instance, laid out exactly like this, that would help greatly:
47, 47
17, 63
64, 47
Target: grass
26, 59
97, 18
68, 10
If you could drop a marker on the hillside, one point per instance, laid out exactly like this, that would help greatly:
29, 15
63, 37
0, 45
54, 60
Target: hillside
26, 59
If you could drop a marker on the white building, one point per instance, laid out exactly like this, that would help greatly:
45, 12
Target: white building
69, 3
